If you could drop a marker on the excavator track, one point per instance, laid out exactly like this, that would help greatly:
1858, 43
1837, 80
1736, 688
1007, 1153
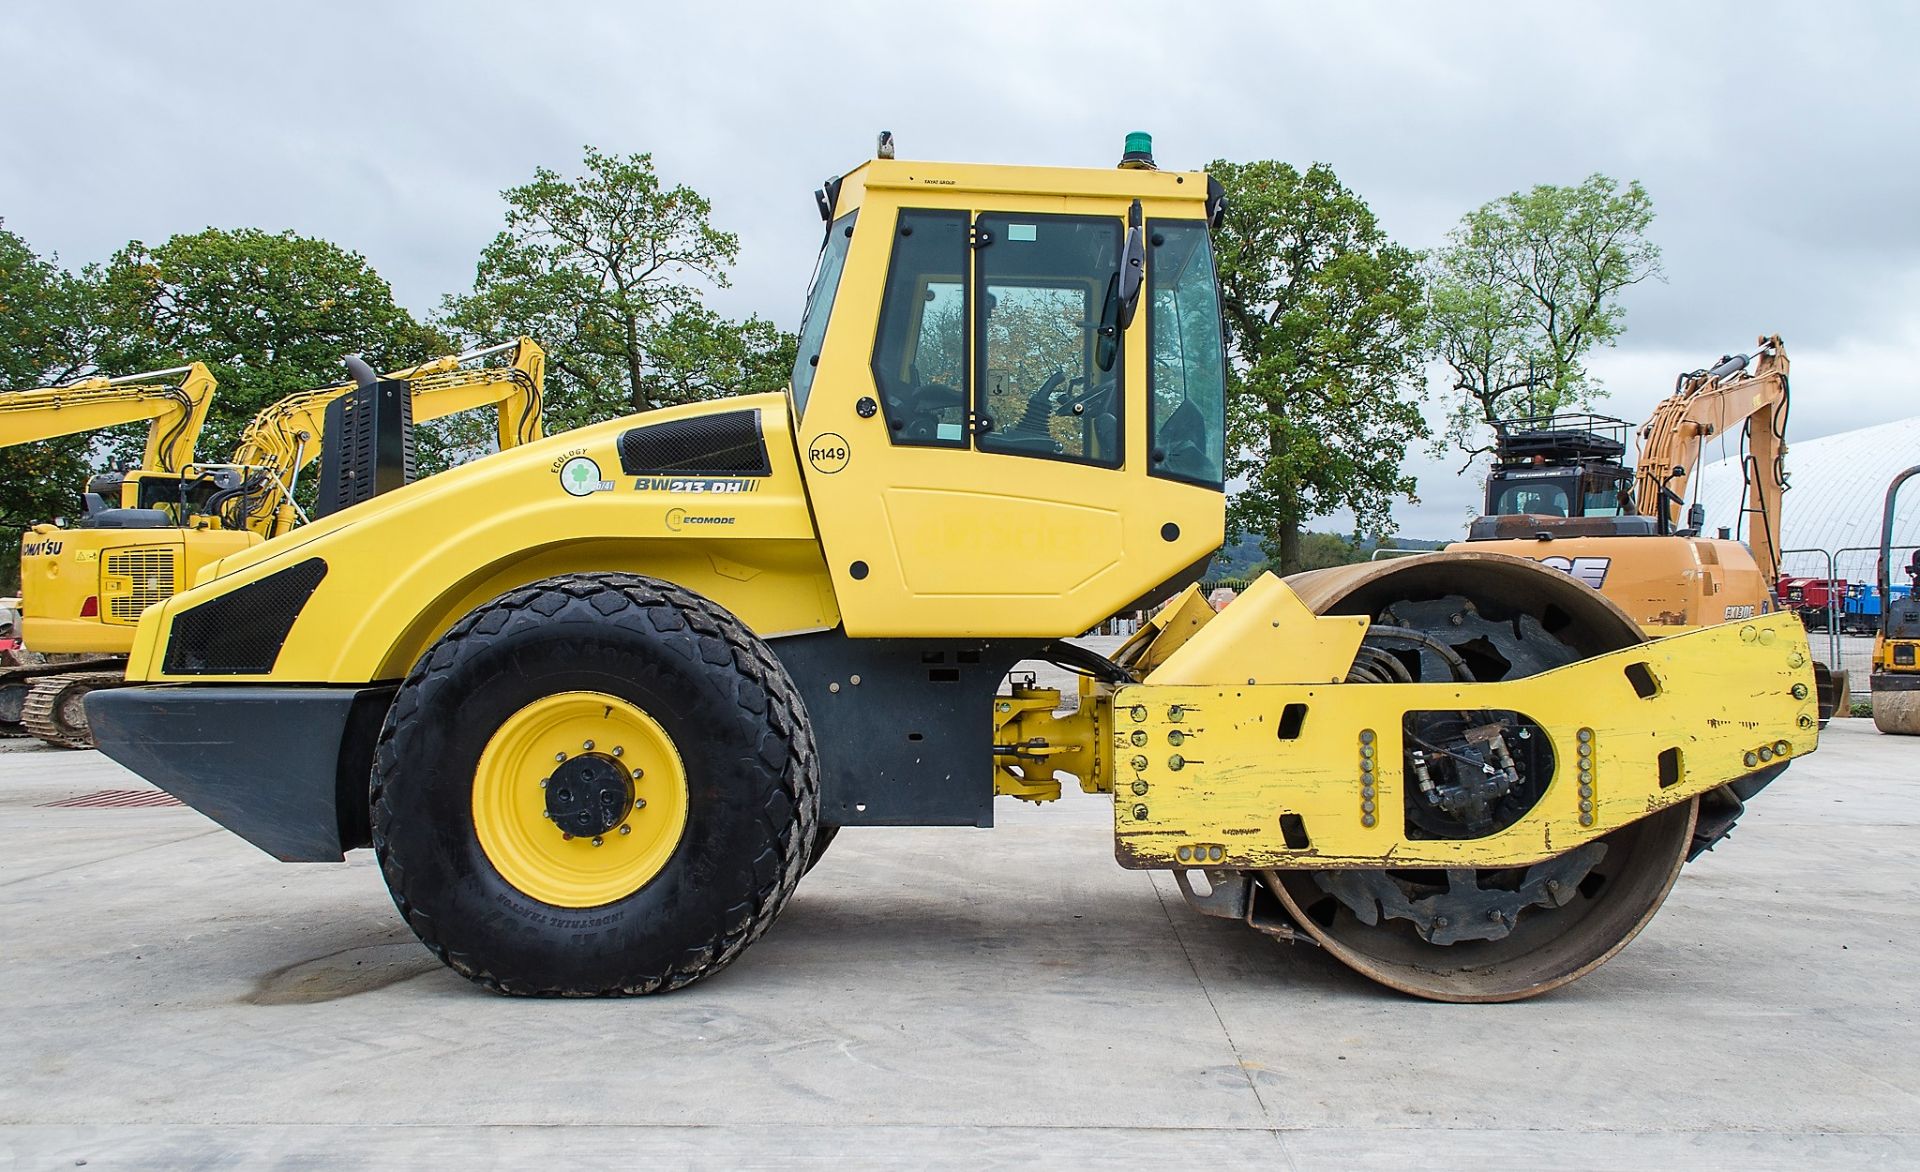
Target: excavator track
55, 708
22, 669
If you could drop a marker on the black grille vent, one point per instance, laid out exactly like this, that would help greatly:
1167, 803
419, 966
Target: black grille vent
241, 633
727, 444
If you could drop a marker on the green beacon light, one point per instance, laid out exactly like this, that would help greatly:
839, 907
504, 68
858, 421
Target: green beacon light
1139, 153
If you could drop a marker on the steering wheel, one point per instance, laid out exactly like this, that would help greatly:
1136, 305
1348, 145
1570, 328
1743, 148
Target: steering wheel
915, 413
928, 398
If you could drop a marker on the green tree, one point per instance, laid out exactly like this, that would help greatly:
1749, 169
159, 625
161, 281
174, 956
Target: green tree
269, 313
1526, 286
1324, 315
47, 335
607, 271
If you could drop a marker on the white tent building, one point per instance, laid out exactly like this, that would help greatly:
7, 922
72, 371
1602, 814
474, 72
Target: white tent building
1838, 486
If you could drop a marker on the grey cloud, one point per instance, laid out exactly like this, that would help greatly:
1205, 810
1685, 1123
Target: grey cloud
1775, 139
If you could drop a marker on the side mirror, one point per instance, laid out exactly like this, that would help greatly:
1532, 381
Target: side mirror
1133, 266
1696, 519
1123, 292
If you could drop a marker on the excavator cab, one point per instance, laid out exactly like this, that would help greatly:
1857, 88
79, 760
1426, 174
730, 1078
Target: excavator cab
1560, 467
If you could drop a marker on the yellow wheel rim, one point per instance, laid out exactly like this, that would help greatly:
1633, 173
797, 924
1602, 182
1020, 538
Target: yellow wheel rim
510, 810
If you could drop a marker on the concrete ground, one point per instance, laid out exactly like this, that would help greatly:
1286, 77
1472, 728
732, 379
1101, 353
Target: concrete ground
948, 998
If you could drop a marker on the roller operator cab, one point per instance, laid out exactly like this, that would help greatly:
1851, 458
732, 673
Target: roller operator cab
599, 701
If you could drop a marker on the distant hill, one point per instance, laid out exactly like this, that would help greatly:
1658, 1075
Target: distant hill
1242, 556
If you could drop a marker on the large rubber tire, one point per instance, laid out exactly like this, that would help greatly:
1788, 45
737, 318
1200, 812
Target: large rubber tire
734, 718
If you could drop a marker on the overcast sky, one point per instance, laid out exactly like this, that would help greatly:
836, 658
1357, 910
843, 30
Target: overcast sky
1779, 144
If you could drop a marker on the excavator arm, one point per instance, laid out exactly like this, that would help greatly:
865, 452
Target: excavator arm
287, 436
174, 401
1708, 403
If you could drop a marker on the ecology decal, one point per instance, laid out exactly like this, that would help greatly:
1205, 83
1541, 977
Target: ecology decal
580, 476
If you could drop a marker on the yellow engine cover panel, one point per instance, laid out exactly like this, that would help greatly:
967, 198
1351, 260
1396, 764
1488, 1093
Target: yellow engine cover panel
1205, 775
405, 566
1662, 582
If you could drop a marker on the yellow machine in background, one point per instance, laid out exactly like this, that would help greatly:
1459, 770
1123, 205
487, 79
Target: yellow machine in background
1560, 494
174, 403
287, 437
598, 702
1895, 684
85, 587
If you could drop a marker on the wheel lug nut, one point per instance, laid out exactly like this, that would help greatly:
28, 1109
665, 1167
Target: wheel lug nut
565, 836
559, 756
543, 783
625, 829
596, 840
617, 750
639, 803
588, 746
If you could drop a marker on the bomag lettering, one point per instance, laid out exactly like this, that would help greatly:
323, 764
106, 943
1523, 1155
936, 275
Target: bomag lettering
669, 484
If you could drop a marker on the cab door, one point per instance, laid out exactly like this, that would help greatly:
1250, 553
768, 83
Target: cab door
973, 469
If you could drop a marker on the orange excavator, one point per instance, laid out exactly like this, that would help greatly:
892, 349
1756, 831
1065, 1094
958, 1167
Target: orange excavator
1560, 493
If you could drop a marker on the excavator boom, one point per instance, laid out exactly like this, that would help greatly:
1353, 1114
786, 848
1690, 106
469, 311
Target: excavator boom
1708, 403
175, 401
287, 436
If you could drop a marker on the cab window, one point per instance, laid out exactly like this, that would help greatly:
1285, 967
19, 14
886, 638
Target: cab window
178, 497
1187, 370
920, 351
813, 326
1541, 498
1606, 496
1041, 280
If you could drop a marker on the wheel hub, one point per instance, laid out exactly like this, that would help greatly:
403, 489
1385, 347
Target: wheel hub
589, 795
579, 799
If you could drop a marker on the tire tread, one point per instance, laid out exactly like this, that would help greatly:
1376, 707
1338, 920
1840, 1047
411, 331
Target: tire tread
696, 627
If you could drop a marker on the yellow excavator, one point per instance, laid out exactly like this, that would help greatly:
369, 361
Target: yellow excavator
174, 403
286, 437
1561, 494
598, 702
84, 588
